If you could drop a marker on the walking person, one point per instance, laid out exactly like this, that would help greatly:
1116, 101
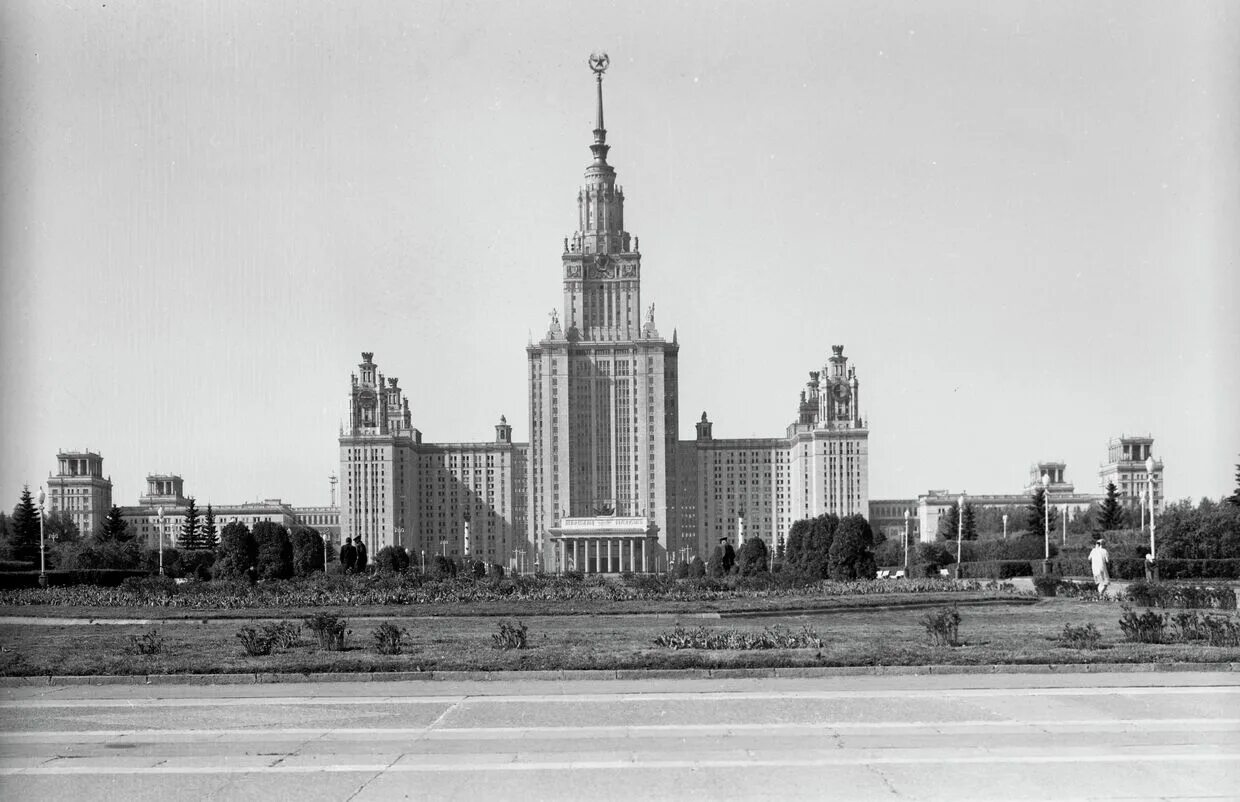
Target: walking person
348, 555
359, 563
1100, 562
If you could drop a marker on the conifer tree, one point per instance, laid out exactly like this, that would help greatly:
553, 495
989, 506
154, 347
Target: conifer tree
1037, 516
1234, 498
189, 538
970, 521
1111, 516
114, 528
210, 535
949, 522
24, 528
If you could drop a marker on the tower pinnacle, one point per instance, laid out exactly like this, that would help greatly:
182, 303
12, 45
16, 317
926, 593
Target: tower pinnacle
599, 63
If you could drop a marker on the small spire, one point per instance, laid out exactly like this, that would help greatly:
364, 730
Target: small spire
599, 63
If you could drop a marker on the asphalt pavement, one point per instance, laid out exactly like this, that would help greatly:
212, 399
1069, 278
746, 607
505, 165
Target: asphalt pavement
960, 737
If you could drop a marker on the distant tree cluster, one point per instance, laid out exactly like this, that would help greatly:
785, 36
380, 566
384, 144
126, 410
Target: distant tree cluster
828, 546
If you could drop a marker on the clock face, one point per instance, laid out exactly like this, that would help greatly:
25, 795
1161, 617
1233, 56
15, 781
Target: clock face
367, 399
841, 391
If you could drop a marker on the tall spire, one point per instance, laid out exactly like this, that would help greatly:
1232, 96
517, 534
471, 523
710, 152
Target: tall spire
599, 63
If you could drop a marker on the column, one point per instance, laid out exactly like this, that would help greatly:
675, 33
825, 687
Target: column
645, 559
609, 555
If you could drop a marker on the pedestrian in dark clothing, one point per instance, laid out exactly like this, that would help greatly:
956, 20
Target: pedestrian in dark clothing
348, 555
360, 559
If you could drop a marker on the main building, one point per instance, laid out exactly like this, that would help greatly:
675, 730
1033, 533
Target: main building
605, 483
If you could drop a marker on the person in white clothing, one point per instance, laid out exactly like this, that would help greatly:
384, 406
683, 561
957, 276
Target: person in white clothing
1100, 561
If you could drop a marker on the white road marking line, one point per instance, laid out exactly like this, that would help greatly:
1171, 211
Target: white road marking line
647, 698
1107, 725
576, 765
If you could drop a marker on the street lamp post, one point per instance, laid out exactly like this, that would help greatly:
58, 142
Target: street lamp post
42, 550
906, 517
424, 562
1149, 486
1005, 519
959, 533
1046, 523
160, 513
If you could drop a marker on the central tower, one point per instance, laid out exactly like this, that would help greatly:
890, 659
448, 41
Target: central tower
603, 396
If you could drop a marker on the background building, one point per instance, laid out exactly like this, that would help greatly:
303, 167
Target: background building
80, 490
746, 488
454, 499
1125, 466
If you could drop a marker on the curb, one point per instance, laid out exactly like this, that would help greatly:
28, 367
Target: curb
805, 672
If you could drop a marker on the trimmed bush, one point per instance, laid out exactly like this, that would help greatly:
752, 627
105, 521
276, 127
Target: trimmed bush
1163, 594
943, 626
697, 568
274, 555
392, 560
1075, 637
1046, 584
511, 635
147, 643
389, 638
238, 552
102, 577
1148, 627
330, 630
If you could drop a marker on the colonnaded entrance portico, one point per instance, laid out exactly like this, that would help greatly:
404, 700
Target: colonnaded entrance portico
604, 544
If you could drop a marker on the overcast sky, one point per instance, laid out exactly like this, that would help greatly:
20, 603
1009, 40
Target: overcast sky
1020, 219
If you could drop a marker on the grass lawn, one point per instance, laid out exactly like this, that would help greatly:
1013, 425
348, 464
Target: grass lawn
880, 635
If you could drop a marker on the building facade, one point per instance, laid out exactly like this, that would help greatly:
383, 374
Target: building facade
738, 489
1126, 467
80, 490
454, 499
603, 397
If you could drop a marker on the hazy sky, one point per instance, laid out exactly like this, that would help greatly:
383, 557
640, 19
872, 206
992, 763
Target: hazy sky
1021, 220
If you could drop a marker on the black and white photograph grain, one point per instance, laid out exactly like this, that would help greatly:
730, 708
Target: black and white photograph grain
619, 400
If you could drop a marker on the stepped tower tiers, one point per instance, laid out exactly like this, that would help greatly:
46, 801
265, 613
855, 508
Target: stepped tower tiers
603, 397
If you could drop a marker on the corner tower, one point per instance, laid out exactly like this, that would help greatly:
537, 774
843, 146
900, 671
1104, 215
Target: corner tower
603, 396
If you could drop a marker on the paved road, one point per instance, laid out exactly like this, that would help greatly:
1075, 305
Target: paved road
1119, 736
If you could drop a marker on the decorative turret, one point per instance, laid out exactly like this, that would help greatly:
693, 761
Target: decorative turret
602, 294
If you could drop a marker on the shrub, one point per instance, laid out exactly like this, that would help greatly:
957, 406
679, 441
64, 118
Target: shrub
1075, 637
274, 555
753, 557
511, 635
197, 563
283, 635
307, 554
681, 570
478, 569
442, 568
697, 568
852, 550
237, 552
1148, 627
149, 587
392, 560
1165, 594
1213, 629
255, 643
147, 643
496, 571
389, 638
1046, 584
943, 626
330, 630
776, 637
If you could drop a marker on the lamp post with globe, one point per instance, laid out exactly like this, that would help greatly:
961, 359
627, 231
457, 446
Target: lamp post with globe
906, 517
160, 513
1151, 559
959, 533
42, 550
1046, 523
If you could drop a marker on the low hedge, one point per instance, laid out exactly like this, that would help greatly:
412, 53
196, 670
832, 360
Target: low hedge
102, 577
1134, 568
998, 569
1168, 594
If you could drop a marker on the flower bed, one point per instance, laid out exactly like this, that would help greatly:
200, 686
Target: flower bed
381, 590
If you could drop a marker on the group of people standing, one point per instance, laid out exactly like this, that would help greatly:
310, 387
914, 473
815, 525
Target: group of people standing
353, 557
